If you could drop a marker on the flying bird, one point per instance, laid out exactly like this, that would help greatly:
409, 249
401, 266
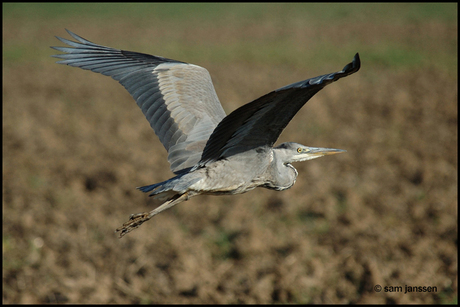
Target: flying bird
209, 152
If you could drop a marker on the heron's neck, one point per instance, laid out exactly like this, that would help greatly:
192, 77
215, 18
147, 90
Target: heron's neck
282, 175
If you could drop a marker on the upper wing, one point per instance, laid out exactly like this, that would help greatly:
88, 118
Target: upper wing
178, 99
260, 122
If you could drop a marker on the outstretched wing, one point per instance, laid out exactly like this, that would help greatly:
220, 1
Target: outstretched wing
178, 99
260, 122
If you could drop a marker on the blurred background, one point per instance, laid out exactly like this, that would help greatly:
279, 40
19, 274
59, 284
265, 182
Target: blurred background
75, 146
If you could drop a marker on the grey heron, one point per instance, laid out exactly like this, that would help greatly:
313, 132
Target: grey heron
209, 152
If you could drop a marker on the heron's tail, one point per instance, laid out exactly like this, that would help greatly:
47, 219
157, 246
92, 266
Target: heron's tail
162, 190
171, 187
148, 188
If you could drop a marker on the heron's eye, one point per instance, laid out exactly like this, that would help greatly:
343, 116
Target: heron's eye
299, 150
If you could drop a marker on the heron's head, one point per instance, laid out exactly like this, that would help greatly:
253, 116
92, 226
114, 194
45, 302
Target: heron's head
294, 152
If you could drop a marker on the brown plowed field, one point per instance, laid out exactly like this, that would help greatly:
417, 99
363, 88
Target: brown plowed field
75, 146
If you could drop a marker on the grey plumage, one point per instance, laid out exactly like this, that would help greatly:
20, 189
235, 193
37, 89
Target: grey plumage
178, 99
209, 152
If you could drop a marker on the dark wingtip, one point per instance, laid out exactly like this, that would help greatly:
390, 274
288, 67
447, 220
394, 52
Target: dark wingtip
357, 61
354, 66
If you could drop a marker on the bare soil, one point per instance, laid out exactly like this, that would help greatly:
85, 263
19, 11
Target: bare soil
75, 146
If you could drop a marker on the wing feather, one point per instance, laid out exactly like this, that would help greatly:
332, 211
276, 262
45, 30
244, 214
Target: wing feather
178, 99
260, 122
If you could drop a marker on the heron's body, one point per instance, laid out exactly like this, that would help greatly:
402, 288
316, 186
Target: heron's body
210, 152
262, 167
217, 178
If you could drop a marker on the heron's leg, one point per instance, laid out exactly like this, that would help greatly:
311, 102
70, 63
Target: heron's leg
136, 220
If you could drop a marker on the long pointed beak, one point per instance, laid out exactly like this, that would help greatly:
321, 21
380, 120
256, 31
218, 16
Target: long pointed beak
317, 151
309, 153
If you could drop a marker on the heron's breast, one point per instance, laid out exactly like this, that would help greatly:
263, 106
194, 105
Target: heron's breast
230, 177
